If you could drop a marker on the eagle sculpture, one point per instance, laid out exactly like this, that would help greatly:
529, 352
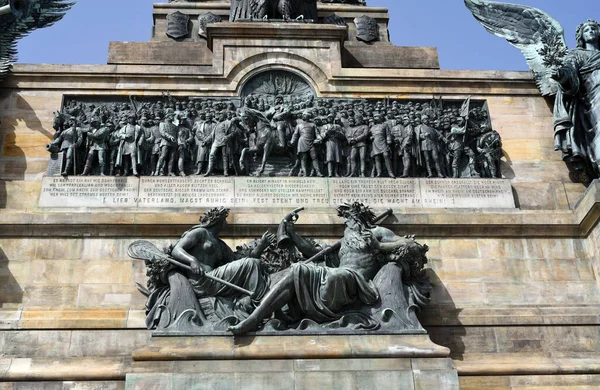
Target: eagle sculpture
27, 15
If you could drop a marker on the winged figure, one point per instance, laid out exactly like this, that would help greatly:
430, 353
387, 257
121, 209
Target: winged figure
572, 77
34, 14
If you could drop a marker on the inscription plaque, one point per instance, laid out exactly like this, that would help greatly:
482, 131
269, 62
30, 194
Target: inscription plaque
466, 193
186, 192
281, 192
381, 192
89, 192
272, 192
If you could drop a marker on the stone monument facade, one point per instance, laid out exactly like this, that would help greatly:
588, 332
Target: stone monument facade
288, 129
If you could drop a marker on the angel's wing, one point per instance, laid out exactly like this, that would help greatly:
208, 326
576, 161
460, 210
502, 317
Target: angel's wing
539, 37
43, 13
8, 48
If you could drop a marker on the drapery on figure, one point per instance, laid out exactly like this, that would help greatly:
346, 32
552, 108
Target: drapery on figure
572, 76
577, 105
327, 293
204, 252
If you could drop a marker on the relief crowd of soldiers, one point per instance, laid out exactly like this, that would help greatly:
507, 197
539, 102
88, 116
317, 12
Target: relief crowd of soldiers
278, 136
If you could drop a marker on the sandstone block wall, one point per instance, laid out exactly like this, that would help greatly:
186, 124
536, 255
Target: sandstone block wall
516, 292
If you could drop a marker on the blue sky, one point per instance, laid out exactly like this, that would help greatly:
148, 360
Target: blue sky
82, 36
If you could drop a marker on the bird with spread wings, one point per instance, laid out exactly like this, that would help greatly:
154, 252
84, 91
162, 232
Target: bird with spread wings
34, 14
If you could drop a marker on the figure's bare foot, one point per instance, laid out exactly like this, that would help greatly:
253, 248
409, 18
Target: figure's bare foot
243, 327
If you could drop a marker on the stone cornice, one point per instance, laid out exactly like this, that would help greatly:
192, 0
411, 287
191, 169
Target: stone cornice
446, 223
309, 32
185, 80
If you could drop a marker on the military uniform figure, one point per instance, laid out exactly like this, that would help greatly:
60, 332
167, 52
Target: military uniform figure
203, 131
184, 140
489, 145
333, 136
381, 136
97, 139
168, 145
113, 147
67, 142
357, 137
155, 142
282, 118
128, 148
429, 139
457, 145
191, 115
239, 141
145, 143
222, 136
404, 136
305, 136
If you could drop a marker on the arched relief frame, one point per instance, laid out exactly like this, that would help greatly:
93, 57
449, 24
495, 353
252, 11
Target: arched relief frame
277, 82
314, 75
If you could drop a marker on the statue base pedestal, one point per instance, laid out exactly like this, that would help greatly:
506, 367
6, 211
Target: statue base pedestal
293, 362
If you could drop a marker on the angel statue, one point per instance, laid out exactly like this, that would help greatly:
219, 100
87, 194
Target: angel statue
571, 76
